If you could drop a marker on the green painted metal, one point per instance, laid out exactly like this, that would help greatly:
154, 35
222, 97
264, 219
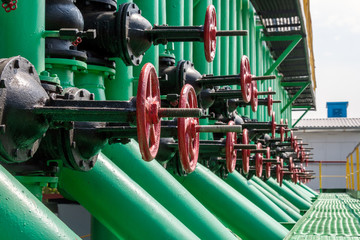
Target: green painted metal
289, 195
333, 216
239, 183
299, 188
93, 79
100, 232
295, 40
188, 21
246, 41
175, 17
158, 182
65, 69
261, 183
225, 41
217, 63
309, 189
237, 213
305, 85
282, 205
35, 184
121, 204
302, 115
297, 191
25, 26
23, 216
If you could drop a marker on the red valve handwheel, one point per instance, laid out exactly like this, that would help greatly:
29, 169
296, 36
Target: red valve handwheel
210, 33
270, 102
273, 125
245, 152
254, 97
147, 105
259, 161
295, 176
245, 79
279, 172
282, 131
231, 153
188, 137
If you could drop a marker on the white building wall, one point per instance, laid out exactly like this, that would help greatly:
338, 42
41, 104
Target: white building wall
330, 145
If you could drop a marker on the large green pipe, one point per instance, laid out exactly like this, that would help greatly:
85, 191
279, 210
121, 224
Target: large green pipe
237, 213
224, 25
283, 206
261, 183
121, 204
159, 183
23, 216
188, 21
298, 186
21, 32
289, 195
175, 17
309, 189
218, 63
239, 43
100, 232
299, 192
239, 183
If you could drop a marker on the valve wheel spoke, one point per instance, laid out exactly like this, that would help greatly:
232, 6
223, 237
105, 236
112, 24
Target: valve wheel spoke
210, 33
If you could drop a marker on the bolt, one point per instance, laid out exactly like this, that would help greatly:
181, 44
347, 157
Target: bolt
81, 93
16, 64
81, 163
92, 96
31, 70
91, 164
2, 84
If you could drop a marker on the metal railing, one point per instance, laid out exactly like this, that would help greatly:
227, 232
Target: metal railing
350, 174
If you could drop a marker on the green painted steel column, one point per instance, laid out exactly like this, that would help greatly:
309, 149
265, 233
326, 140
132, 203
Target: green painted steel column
159, 183
225, 41
309, 189
289, 195
162, 20
23, 216
175, 17
100, 232
246, 40
150, 10
282, 205
261, 183
217, 63
188, 21
121, 204
237, 213
240, 184
21, 32
239, 43
303, 194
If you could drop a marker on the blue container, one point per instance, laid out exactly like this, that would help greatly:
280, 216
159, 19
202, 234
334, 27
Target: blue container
337, 109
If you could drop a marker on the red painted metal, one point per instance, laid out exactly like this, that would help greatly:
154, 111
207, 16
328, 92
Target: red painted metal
254, 97
245, 79
270, 102
245, 152
210, 33
231, 153
259, 161
11, 6
273, 125
188, 137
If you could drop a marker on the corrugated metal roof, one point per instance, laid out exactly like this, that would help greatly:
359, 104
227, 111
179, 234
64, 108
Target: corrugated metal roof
318, 123
285, 18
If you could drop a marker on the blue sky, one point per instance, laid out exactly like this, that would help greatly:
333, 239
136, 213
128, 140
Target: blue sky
336, 36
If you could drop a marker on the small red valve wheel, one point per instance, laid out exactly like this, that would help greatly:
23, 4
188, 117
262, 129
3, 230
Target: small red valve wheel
270, 102
279, 171
291, 164
254, 97
245, 79
147, 106
210, 33
282, 131
188, 137
295, 176
268, 170
11, 6
259, 161
231, 153
245, 152
273, 125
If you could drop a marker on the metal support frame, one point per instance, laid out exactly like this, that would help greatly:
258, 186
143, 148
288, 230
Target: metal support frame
307, 109
295, 40
304, 86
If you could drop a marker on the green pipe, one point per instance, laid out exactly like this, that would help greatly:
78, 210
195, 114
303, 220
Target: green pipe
246, 40
289, 195
218, 63
225, 50
309, 189
175, 17
239, 183
150, 11
162, 20
100, 232
261, 183
300, 192
93, 79
188, 21
21, 32
283, 206
237, 213
159, 183
121, 204
23, 216
239, 44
